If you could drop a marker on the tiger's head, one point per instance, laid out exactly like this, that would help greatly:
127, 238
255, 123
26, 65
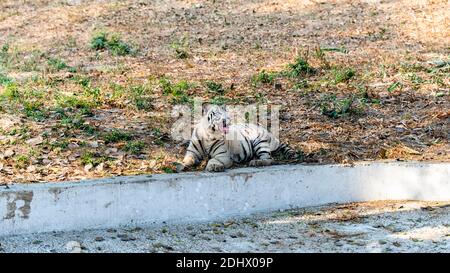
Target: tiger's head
218, 119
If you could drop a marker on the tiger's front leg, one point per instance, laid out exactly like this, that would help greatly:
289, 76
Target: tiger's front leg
220, 158
215, 165
192, 158
263, 156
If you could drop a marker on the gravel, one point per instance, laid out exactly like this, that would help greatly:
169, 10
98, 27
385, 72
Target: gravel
393, 226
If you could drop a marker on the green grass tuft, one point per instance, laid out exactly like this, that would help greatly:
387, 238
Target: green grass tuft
93, 158
343, 75
134, 147
57, 64
333, 107
215, 87
116, 136
264, 77
299, 67
113, 43
178, 91
4, 79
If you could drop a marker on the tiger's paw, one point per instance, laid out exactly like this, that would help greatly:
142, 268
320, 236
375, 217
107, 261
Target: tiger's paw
215, 167
260, 162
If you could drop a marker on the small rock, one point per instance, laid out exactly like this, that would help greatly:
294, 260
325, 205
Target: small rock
152, 164
111, 151
216, 248
204, 237
122, 235
93, 144
287, 117
428, 208
7, 123
8, 153
35, 141
126, 239
99, 239
100, 167
73, 247
88, 167
31, 169
136, 229
73, 146
388, 249
237, 234
161, 245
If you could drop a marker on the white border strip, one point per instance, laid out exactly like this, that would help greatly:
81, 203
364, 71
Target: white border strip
120, 201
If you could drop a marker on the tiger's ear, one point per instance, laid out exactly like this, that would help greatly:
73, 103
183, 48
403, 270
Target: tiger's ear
205, 108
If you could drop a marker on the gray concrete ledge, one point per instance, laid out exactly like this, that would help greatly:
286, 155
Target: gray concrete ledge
188, 197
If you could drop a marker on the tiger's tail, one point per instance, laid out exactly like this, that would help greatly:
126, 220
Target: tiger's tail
286, 151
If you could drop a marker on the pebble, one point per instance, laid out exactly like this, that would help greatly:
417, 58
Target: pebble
88, 167
161, 245
73, 247
8, 153
99, 239
100, 167
93, 144
35, 141
125, 237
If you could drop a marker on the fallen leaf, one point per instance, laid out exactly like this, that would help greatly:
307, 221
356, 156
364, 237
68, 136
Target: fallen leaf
8, 153
88, 167
35, 141
31, 169
100, 167
93, 144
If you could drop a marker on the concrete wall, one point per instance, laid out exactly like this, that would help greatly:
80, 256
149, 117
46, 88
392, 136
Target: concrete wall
26, 208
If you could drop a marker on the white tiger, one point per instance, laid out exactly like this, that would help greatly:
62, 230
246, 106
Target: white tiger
222, 143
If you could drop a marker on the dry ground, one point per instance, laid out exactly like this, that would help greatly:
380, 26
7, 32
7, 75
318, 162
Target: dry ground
387, 226
368, 79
